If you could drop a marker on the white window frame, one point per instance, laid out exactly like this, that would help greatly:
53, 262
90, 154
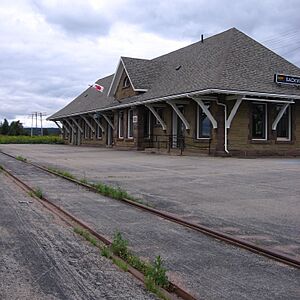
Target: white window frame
266, 122
197, 128
156, 122
289, 138
128, 124
126, 82
119, 124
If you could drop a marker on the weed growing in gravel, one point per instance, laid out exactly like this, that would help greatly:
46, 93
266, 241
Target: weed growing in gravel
86, 235
21, 158
119, 246
38, 193
106, 252
62, 173
84, 181
120, 263
111, 191
157, 273
152, 287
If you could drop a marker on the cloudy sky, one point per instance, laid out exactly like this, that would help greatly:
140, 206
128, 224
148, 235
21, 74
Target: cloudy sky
51, 50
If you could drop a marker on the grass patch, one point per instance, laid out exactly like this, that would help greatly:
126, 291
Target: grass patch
87, 236
21, 158
157, 273
24, 139
120, 263
102, 188
106, 252
62, 173
37, 193
84, 181
111, 191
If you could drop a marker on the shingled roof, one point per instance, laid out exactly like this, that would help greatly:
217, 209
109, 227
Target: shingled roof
229, 61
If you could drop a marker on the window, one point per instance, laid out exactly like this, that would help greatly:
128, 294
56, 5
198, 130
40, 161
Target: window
159, 111
130, 124
284, 125
259, 121
147, 124
203, 123
121, 124
126, 82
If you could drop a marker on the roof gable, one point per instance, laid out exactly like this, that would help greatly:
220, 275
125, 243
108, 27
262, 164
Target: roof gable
131, 66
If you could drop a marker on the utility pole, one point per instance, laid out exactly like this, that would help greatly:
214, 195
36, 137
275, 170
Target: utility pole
37, 115
36, 122
41, 118
31, 131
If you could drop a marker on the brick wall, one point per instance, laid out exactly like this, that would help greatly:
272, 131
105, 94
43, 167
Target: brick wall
239, 135
122, 92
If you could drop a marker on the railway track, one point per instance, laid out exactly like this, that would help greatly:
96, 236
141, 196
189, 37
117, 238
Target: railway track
199, 228
174, 292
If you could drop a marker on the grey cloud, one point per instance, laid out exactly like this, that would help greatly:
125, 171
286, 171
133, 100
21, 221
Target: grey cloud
76, 18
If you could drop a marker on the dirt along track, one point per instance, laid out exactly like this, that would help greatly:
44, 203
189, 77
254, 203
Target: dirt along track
208, 268
41, 257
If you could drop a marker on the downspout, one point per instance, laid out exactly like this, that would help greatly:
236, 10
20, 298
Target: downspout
225, 126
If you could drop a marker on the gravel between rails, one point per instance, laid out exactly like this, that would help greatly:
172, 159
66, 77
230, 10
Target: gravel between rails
42, 258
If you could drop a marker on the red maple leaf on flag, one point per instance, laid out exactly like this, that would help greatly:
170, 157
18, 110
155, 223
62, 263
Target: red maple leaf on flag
98, 87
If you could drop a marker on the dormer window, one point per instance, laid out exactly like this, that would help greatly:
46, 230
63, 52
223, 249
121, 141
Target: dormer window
126, 82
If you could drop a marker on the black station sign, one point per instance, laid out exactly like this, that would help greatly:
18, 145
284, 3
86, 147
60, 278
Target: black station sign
287, 79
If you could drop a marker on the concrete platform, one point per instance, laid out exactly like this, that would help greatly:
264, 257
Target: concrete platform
254, 199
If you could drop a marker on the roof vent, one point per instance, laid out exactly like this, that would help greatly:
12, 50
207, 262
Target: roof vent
202, 38
85, 95
178, 67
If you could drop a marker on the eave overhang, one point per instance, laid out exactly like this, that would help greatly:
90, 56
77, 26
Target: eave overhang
182, 95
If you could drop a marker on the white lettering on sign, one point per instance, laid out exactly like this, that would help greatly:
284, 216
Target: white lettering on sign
135, 119
292, 80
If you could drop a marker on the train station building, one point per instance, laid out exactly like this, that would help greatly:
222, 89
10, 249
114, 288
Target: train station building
224, 95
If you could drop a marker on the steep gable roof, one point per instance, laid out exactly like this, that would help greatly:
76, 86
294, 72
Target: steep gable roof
230, 61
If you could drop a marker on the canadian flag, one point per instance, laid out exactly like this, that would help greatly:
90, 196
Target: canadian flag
98, 87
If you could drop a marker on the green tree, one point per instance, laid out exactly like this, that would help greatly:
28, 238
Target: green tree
5, 127
16, 128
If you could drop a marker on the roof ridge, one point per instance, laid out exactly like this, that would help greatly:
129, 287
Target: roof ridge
197, 42
134, 58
